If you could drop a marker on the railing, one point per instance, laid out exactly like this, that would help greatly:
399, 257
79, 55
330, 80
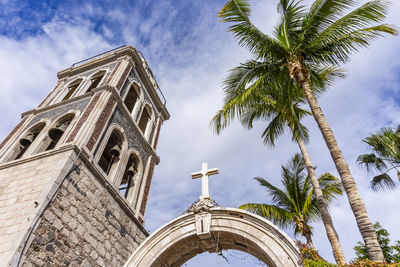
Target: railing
96, 56
152, 79
145, 66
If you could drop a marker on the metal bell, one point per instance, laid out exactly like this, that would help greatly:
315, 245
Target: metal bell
27, 140
115, 151
56, 132
131, 171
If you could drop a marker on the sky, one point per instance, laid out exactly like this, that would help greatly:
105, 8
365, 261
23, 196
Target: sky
190, 53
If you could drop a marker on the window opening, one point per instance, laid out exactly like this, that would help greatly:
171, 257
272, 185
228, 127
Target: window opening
111, 153
131, 99
144, 120
57, 132
127, 181
95, 82
25, 142
72, 88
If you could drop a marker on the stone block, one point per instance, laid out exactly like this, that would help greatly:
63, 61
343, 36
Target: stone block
86, 263
94, 254
101, 250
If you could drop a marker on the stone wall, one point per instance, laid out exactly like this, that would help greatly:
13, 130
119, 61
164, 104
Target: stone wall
84, 225
24, 185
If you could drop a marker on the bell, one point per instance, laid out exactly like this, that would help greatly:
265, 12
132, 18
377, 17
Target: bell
115, 151
27, 140
56, 132
131, 171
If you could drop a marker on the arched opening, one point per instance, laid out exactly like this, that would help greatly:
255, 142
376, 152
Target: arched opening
225, 258
57, 131
111, 153
131, 98
229, 229
128, 182
26, 141
145, 118
95, 80
72, 88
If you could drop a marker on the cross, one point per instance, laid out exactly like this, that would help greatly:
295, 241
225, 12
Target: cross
204, 173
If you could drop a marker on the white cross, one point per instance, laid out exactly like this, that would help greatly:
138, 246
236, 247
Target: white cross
204, 173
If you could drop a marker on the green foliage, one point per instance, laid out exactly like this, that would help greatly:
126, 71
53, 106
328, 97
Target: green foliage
391, 253
311, 258
304, 41
359, 263
295, 205
317, 263
385, 145
396, 252
326, 34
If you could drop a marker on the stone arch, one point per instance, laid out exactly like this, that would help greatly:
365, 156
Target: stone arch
114, 140
29, 136
137, 177
133, 97
55, 136
129, 175
181, 239
95, 80
146, 120
71, 88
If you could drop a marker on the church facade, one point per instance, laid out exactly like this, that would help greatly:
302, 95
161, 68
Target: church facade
76, 171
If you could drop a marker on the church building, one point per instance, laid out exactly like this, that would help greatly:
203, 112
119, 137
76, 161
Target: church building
75, 172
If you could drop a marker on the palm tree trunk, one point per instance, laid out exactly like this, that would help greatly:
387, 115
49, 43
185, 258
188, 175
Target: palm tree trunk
309, 241
326, 217
300, 74
306, 232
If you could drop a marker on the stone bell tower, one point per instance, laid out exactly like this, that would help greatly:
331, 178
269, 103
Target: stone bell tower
75, 173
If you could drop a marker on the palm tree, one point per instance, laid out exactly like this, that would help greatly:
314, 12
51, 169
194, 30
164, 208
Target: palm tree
295, 206
321, 36
279, 102
385, 146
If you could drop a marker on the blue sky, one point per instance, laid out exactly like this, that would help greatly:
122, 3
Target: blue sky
190, 52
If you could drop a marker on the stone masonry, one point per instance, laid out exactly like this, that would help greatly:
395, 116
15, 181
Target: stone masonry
20, 198
84, 226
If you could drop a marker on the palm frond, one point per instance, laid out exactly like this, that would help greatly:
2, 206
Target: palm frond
278, 195
321, 77
386, 144
237, 94
382, 181
331, 187
322, 13
248, 35
299, 130
261, 108
398, 129
277, 215
295, 203
335, 50
362, 17
275, 129
309, 207
291, 15
240, 77
371, 162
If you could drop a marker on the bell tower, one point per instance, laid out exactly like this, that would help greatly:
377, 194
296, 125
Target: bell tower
75, 173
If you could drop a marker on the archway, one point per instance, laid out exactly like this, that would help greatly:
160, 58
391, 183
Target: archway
207, 228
